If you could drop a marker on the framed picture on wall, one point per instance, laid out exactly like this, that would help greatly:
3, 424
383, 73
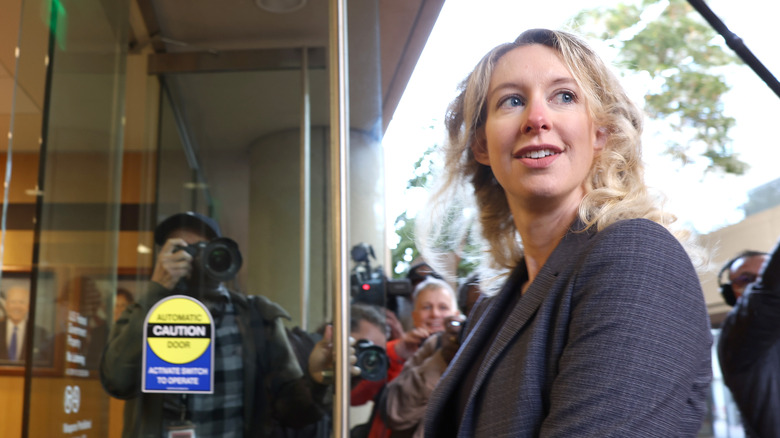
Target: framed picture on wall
15, 304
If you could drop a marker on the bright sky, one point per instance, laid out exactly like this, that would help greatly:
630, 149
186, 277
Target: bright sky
467, 29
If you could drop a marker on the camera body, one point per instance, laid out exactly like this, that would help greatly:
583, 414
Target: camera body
372, 360
218, 259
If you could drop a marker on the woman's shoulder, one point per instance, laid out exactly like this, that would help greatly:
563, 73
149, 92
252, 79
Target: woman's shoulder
635, 226
634, 233
637, 254
642, 241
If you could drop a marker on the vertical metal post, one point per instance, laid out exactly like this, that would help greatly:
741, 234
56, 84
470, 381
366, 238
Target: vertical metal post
339, 160
305, 189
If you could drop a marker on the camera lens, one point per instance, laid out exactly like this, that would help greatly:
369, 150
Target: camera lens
372, 361
219, 260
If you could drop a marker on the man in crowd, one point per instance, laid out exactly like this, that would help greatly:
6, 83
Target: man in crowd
741, 271
367, 322
749, 344
258, 383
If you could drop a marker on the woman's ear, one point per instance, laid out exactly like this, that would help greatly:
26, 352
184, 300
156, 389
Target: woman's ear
601, 138
479, 148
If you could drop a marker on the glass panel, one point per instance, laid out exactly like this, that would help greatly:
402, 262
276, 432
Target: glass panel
81, 208
253, 178
23, 46
180, 185
71, 85
230, 147
241, 131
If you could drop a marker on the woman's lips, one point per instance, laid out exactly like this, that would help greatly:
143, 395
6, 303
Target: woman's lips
538, 156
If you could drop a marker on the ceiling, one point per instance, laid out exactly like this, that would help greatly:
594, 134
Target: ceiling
235, 69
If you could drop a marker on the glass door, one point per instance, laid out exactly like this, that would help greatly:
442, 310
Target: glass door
61, 209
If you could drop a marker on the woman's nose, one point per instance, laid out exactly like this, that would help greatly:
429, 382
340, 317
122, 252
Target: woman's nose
537, 118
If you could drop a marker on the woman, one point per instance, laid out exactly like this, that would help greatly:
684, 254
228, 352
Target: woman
599, 328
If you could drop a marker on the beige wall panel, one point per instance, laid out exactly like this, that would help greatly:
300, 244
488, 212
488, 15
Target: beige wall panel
757, 232
11, 392
18, 249
24, 177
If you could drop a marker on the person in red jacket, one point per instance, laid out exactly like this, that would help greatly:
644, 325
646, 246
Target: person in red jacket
434, 302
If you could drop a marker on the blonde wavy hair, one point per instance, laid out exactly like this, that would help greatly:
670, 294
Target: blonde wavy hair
615, 187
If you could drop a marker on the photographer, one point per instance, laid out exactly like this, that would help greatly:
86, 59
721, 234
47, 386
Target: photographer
430, 344
405, 398
257, 380
749, 343
434, 300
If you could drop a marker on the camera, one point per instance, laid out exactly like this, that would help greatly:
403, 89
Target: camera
371, 286
371, 359
218, 259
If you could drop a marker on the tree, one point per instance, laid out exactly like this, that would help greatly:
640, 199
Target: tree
406, 251
681, 53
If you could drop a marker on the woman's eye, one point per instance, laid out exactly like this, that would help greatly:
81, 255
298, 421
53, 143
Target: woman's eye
511, 101
566, 97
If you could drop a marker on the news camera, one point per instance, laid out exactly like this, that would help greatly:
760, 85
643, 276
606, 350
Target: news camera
371, 285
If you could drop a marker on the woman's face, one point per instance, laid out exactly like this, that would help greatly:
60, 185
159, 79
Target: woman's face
430, 309
538, 138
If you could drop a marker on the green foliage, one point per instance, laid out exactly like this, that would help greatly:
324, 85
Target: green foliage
422, 170
404, 228
680, 52
404, 225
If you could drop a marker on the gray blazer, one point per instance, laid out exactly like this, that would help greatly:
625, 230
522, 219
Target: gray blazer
612, 339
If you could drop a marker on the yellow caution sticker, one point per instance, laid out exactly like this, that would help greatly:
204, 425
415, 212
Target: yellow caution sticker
178, 346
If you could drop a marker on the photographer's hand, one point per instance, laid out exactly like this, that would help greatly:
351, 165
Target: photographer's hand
172, 264
410, 342
396, 329
321, 358
450, 338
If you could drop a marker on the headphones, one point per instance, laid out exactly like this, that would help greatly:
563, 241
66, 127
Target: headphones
726, 290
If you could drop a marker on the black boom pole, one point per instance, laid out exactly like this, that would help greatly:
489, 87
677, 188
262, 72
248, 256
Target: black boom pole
737, 45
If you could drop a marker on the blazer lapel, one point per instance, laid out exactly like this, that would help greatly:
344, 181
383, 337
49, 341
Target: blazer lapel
523, 312
464, 359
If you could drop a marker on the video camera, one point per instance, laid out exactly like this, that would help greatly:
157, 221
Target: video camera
218, 259
371, 286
